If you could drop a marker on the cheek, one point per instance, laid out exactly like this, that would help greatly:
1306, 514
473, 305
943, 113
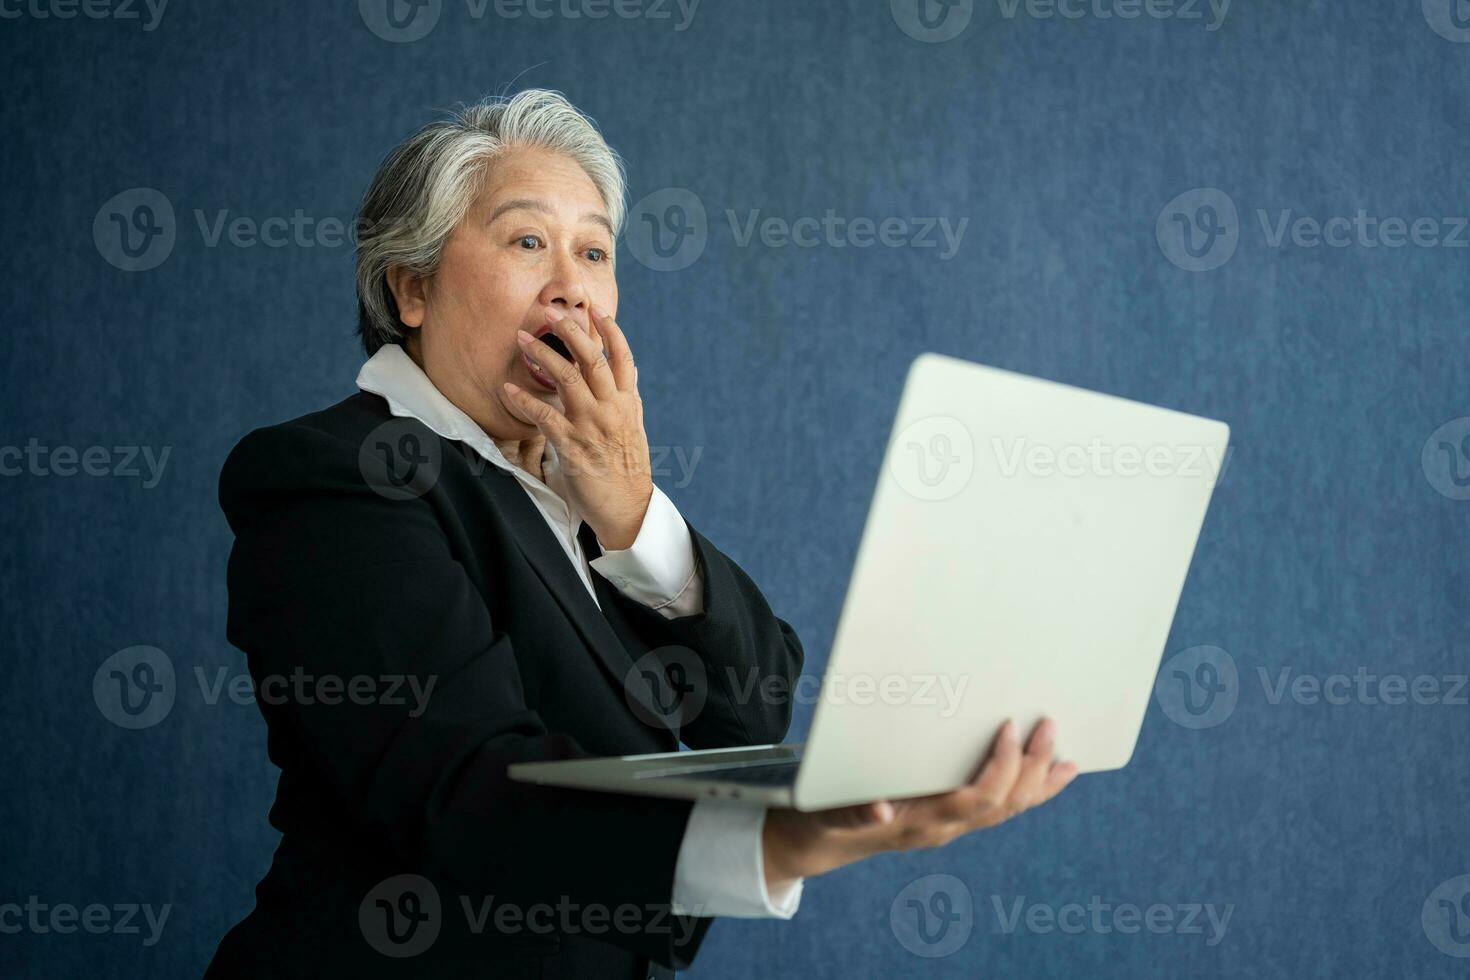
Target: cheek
487, 308
605, 297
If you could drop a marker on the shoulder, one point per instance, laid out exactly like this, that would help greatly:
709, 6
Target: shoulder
347, 448
340, 427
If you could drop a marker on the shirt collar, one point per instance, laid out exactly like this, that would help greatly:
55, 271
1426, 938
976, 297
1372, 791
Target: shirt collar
392, 375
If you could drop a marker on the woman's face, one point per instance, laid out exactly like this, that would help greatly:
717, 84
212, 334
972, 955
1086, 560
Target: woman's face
537, 238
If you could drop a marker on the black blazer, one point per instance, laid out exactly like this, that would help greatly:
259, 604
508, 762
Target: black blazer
339, 572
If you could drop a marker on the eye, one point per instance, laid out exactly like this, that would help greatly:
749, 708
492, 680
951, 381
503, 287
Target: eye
596, 254
529, 238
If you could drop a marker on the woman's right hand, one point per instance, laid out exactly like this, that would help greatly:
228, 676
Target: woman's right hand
801, 845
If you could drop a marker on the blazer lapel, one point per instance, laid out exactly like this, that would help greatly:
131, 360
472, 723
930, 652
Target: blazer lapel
546, 556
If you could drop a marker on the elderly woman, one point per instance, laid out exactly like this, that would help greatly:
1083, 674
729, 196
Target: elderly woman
459, 566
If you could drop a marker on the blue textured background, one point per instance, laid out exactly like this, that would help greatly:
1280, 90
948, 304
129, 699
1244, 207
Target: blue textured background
1327, 548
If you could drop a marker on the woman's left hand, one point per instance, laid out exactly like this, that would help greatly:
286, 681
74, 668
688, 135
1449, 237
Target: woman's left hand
600, 443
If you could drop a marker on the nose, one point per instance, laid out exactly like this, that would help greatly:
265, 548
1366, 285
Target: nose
565, 290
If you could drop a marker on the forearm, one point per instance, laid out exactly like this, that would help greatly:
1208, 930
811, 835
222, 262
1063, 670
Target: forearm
752, 658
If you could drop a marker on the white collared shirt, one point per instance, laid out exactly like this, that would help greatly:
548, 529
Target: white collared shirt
720, 869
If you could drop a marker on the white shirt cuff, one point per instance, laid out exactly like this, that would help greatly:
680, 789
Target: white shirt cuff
658, 569
721, 870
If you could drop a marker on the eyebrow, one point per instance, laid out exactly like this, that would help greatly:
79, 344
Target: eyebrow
529, 204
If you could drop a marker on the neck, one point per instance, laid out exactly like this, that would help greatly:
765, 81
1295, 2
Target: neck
525, 453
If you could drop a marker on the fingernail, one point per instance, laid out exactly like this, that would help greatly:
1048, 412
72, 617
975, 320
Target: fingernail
524, 336
554, 315
1008, 730
884, 811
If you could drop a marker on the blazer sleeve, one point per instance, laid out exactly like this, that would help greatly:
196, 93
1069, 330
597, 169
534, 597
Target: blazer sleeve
751, 657
329, 577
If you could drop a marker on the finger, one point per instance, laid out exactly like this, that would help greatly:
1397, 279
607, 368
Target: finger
591, 361
1034, 767
570, 384
992, 786
619, 354
552, 424
856, 817
1058, 779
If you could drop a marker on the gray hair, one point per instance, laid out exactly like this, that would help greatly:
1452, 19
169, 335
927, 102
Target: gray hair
426, 185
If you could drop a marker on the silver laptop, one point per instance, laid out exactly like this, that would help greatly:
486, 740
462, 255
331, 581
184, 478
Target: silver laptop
1022, 557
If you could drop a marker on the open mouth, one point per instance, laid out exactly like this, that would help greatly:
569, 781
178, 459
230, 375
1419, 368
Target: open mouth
554, 343
538, 375
557, 344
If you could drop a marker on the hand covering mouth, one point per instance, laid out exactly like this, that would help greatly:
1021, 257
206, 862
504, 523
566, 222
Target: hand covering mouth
541, 375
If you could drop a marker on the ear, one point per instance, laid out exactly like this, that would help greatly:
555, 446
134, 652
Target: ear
410, 292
